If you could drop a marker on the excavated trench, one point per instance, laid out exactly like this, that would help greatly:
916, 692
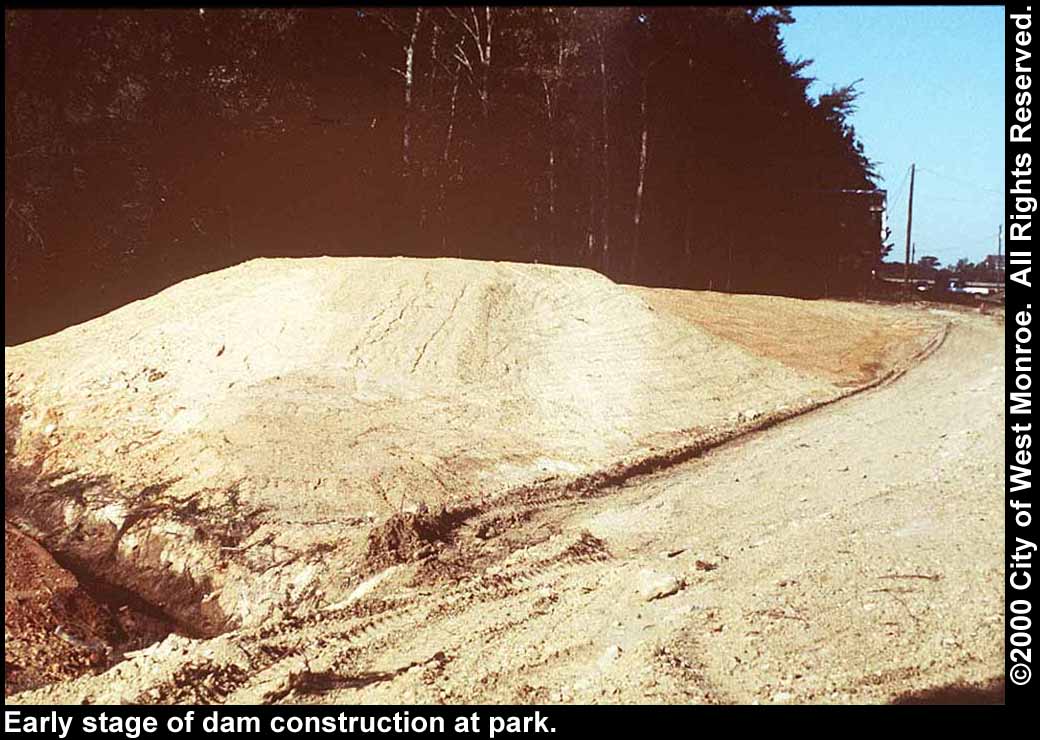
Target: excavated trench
68, 622
61, 619
163, 564
111, 605
83, 542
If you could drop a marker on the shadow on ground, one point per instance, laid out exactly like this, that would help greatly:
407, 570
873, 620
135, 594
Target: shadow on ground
987, 692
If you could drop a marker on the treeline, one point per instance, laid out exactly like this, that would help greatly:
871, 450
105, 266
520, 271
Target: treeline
669, 146
984, 271
930, 268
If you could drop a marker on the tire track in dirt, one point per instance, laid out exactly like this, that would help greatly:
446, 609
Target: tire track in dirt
518, 504
679, 657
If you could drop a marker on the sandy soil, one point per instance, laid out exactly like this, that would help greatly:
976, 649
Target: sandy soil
261, 420
849, 555
344, 453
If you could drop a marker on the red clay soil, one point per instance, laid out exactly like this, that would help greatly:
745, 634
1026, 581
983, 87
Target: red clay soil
54, 629
45, 612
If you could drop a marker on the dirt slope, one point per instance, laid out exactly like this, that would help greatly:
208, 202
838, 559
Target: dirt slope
849, 555
839, 342
248, 445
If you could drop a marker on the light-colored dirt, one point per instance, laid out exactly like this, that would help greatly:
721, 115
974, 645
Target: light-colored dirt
852, 554
242, 445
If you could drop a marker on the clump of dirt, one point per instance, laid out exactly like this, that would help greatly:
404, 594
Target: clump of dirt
404, 537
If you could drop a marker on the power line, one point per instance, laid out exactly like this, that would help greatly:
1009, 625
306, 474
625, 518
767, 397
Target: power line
962, 250
894, 208
959, 180
899, 192
955, 200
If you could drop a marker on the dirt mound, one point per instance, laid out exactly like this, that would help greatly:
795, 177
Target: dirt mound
546, 599
405, 536
261, 419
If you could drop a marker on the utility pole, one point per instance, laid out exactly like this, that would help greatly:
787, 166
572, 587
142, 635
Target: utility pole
1000, 269
909, 226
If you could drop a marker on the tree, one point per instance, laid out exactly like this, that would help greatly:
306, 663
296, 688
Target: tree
668, 146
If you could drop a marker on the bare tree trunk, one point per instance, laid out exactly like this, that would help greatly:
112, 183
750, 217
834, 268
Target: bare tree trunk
640, 182
550, 115
536, 216
435, 34
485, 96
409, 82
551, 87
478, 66
445, 162
590, 230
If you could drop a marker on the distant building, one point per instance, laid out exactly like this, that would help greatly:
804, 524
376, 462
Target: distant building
875, 202
878, 205
994, 262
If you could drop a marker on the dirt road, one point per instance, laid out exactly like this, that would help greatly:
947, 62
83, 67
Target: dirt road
849, 555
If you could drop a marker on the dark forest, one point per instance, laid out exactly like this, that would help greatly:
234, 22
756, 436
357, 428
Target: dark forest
661, 146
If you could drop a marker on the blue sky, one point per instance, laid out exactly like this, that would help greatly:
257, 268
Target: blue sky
931, 93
